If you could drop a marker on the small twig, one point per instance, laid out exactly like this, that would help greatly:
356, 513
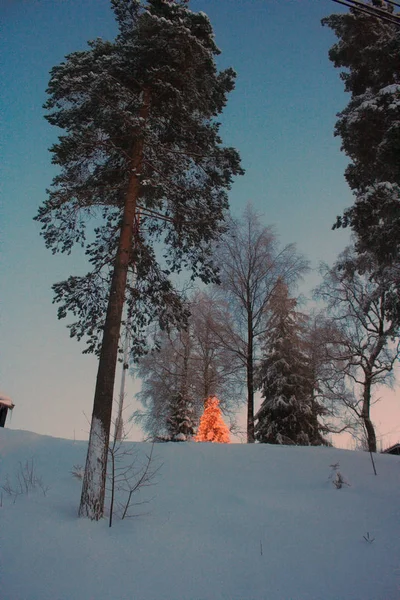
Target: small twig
77, 471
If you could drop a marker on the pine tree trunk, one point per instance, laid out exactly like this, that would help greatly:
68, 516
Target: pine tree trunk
250, 381
94, 482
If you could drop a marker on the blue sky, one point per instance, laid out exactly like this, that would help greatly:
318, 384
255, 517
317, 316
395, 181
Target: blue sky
280, 117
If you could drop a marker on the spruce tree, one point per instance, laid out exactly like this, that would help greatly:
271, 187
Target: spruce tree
368, 50
180, 422
212, 427
140, 135
289, 412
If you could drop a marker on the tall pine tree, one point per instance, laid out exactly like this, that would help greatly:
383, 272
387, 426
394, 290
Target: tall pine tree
368, 49
289, 412
140, 133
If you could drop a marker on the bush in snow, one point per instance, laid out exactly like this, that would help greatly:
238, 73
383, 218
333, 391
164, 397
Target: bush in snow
25, 481
336, 477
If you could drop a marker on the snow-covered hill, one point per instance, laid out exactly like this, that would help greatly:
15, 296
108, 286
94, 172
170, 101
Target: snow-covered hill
227, 522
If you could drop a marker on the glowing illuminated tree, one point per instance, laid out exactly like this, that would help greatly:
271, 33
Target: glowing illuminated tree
212, 427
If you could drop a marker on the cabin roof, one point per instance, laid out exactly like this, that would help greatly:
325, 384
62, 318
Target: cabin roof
6, 401
391, 448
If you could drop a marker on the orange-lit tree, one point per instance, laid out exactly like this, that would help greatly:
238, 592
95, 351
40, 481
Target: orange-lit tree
212, 427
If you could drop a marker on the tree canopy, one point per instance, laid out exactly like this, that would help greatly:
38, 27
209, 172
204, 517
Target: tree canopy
162, 64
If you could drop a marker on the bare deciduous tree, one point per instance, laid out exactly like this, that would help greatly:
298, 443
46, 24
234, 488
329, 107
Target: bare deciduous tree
365, 343
329, 386
190, 364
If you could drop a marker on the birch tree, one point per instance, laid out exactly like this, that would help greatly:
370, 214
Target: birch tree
251, 264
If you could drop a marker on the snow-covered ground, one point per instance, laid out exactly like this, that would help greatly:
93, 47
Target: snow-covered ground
232, 522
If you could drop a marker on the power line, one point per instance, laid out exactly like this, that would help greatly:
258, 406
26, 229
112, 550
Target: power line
393, 3
372, 11
375, 10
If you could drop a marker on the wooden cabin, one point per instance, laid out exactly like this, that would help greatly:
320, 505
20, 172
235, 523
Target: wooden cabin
395, 449
6, 404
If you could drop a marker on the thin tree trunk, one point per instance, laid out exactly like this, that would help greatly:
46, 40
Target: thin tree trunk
184, 386
206, 377
250, 381
365, 415
366, 408
94, 482
186, 356
206, 388
112, 455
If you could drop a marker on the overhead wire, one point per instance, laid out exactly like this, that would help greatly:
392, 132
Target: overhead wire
376, 10
369, 10
393, 3
372, 11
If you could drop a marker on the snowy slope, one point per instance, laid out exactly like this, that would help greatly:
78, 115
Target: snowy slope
227, 522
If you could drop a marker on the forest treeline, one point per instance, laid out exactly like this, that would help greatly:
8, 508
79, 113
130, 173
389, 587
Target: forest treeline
315, 370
